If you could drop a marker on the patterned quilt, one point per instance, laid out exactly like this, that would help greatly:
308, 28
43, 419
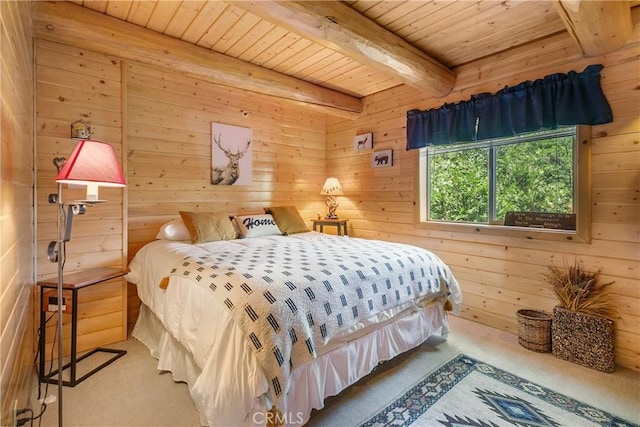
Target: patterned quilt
293, 295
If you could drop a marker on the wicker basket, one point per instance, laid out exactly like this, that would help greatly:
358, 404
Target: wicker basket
534, 330
584, 339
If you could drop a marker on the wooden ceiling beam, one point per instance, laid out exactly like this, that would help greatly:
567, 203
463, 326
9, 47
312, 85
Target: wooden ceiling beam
336, 26
598, 27
74, 25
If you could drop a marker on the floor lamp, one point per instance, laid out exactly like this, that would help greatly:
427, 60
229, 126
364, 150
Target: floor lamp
92, 164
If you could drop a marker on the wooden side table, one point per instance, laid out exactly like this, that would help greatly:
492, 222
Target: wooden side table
340, 224
72, 283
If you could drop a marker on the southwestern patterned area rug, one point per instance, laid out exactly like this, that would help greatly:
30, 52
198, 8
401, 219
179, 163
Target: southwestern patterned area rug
467, 392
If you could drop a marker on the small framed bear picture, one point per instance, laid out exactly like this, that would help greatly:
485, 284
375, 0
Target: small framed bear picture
382, 159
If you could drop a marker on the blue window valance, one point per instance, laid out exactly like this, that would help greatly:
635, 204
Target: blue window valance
555, 100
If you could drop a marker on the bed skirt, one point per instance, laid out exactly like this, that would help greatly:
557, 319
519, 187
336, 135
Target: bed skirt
325, 376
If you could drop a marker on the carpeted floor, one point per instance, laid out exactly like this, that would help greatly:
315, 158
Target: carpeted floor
131, 392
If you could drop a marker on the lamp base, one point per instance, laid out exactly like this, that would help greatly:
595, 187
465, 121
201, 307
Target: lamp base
332, 204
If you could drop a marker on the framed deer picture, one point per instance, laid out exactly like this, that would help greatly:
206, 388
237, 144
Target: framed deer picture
231, 155
363, 142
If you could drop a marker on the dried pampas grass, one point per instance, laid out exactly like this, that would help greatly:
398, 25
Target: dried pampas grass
578, 290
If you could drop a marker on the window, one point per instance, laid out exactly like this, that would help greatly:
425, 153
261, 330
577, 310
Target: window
477, 184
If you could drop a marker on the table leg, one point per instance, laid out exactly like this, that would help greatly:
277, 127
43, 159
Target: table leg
43, 333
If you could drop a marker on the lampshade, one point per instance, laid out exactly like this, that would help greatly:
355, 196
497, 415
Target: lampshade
94, 164
331, 187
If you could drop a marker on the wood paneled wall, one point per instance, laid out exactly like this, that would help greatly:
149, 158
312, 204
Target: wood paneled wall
169, 120
76, 84
500, 275
168, 126
16, 213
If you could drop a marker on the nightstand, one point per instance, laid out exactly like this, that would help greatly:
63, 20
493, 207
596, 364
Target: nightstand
72, 283
340, 224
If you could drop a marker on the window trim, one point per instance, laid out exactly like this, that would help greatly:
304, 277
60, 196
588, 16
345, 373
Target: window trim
582, 202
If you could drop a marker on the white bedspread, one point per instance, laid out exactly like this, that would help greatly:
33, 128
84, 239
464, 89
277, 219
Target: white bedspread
222, 353
294, 296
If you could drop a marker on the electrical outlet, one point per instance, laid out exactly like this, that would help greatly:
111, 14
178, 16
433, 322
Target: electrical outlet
50, 297
53, 304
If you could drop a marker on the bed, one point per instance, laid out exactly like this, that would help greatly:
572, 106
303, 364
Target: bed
274, 324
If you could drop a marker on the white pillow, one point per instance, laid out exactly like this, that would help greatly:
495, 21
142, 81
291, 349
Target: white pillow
173, 230
257, 225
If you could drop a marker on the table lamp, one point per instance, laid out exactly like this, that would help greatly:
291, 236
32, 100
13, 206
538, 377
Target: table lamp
331, 188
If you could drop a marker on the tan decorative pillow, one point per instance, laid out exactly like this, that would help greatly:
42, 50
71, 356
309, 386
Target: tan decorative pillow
288, 219
208, 226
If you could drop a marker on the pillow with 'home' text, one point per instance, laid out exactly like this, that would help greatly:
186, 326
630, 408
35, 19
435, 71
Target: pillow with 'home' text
257, 225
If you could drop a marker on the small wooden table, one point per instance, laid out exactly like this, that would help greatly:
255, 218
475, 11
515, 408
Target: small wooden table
340, 224
72, 283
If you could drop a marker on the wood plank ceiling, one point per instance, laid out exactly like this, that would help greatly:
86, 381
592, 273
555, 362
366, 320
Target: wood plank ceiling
449, 33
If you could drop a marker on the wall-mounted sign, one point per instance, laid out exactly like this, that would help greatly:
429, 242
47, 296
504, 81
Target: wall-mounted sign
558, 221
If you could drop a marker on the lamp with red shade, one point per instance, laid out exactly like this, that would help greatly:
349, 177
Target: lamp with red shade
93, 164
